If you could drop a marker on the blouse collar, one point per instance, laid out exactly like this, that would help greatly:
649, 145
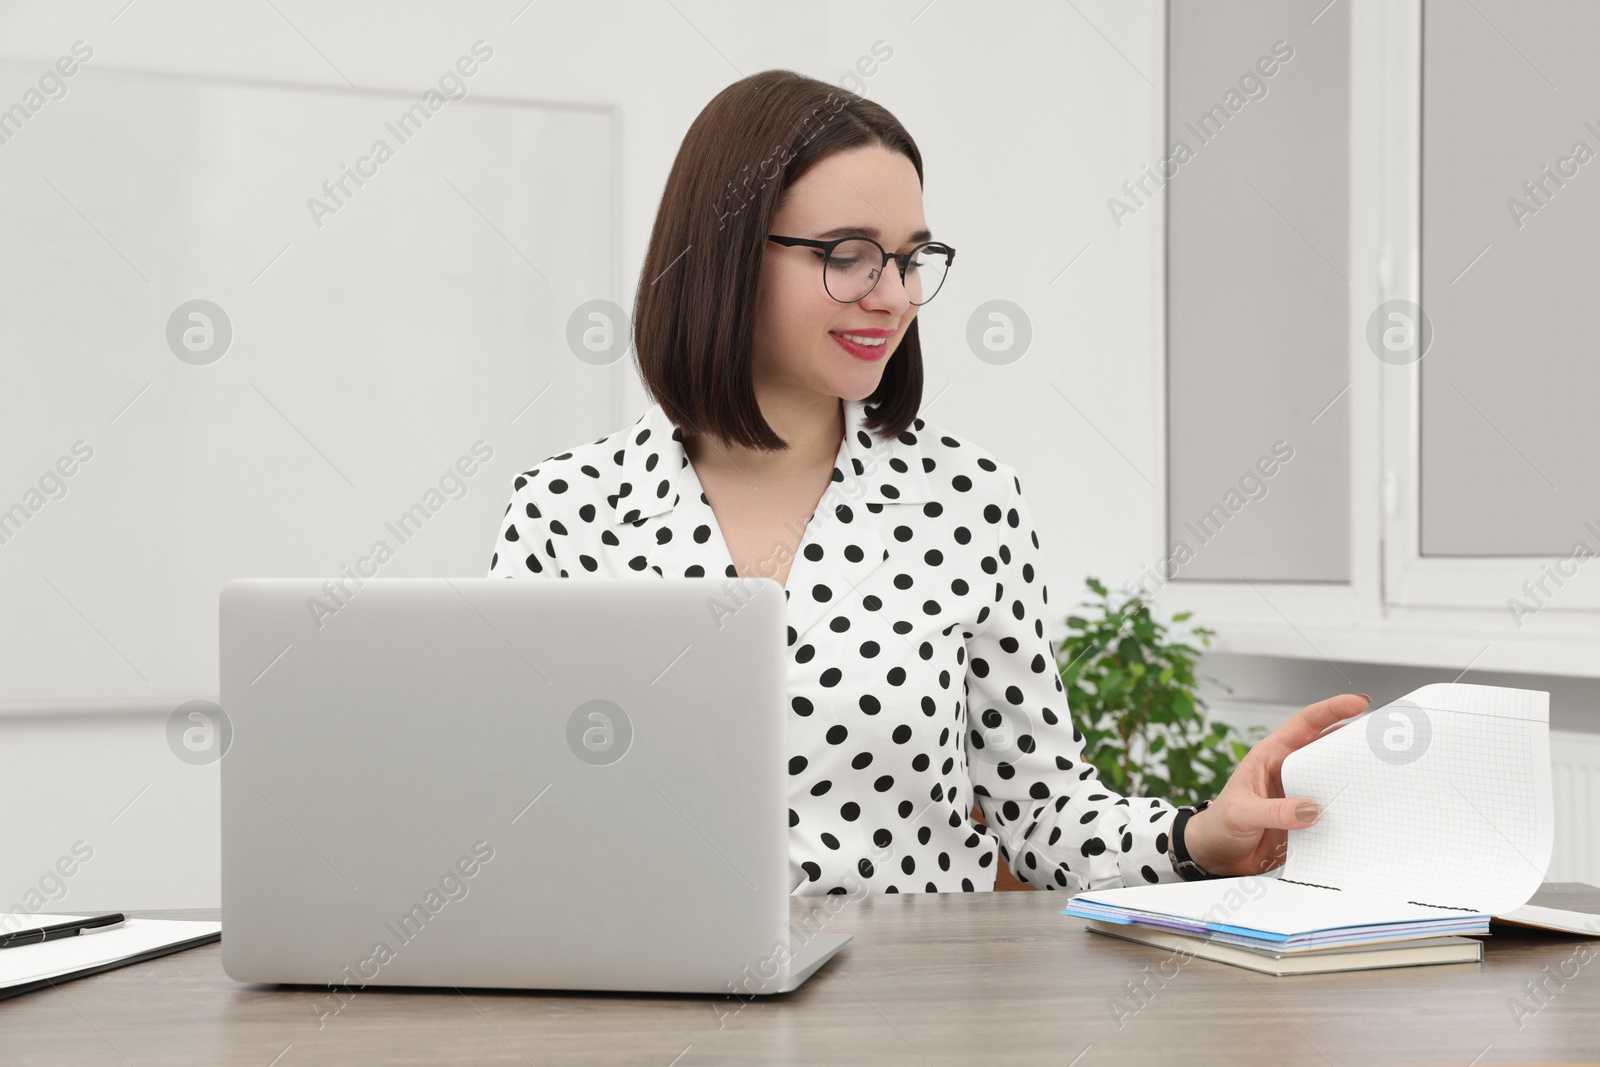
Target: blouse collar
868, 469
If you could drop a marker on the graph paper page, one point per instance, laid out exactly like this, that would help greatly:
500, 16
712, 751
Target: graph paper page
1442, 798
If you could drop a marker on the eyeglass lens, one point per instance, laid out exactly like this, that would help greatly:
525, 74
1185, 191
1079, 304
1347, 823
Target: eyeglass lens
853, 270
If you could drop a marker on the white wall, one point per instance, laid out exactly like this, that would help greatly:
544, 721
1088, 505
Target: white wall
1029, 117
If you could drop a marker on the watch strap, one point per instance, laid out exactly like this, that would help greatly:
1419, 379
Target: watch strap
1177, 849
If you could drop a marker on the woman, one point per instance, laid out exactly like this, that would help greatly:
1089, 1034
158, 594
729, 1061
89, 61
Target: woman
784, 442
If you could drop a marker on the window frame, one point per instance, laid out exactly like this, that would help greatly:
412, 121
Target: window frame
1399, 606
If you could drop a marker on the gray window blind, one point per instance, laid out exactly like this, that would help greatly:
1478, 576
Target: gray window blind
1510, 216
1256, 175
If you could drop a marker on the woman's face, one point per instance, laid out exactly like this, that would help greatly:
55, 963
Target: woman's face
867, 192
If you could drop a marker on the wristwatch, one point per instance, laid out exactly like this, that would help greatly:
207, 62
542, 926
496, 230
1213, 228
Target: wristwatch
1178, 853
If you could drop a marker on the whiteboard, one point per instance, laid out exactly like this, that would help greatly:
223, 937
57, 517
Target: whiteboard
422, 321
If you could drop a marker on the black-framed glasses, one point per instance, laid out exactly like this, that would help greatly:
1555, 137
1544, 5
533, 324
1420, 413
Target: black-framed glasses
851, 266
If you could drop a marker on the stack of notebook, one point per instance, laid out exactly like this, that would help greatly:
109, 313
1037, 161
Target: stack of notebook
1437, 816
1286, 930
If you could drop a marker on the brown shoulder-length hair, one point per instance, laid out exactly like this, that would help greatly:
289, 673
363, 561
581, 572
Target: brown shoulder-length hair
694, 313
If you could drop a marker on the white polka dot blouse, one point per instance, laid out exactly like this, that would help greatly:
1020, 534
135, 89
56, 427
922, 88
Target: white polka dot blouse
921, 676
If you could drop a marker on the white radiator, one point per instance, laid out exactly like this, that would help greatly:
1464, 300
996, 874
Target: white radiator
1575, 766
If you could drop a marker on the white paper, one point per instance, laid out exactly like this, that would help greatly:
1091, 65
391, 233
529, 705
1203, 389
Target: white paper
28, 963
1442, 797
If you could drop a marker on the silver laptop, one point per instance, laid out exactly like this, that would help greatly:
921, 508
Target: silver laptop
575, 785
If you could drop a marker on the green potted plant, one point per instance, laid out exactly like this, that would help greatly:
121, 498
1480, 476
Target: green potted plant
1133, 692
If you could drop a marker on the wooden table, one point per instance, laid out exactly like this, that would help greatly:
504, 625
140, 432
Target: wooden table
957, 978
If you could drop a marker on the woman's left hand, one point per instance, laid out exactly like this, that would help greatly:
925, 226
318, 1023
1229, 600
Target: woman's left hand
1244, 831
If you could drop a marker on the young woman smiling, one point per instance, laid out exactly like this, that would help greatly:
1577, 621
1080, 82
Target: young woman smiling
776, 332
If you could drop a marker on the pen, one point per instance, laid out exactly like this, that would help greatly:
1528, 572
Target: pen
93, 924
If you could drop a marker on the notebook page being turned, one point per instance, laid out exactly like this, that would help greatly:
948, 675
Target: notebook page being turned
1441, 798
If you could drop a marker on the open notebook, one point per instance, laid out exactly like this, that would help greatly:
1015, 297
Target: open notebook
1437, 814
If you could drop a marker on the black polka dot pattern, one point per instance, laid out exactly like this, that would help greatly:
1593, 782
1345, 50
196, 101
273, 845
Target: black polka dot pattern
921, 679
